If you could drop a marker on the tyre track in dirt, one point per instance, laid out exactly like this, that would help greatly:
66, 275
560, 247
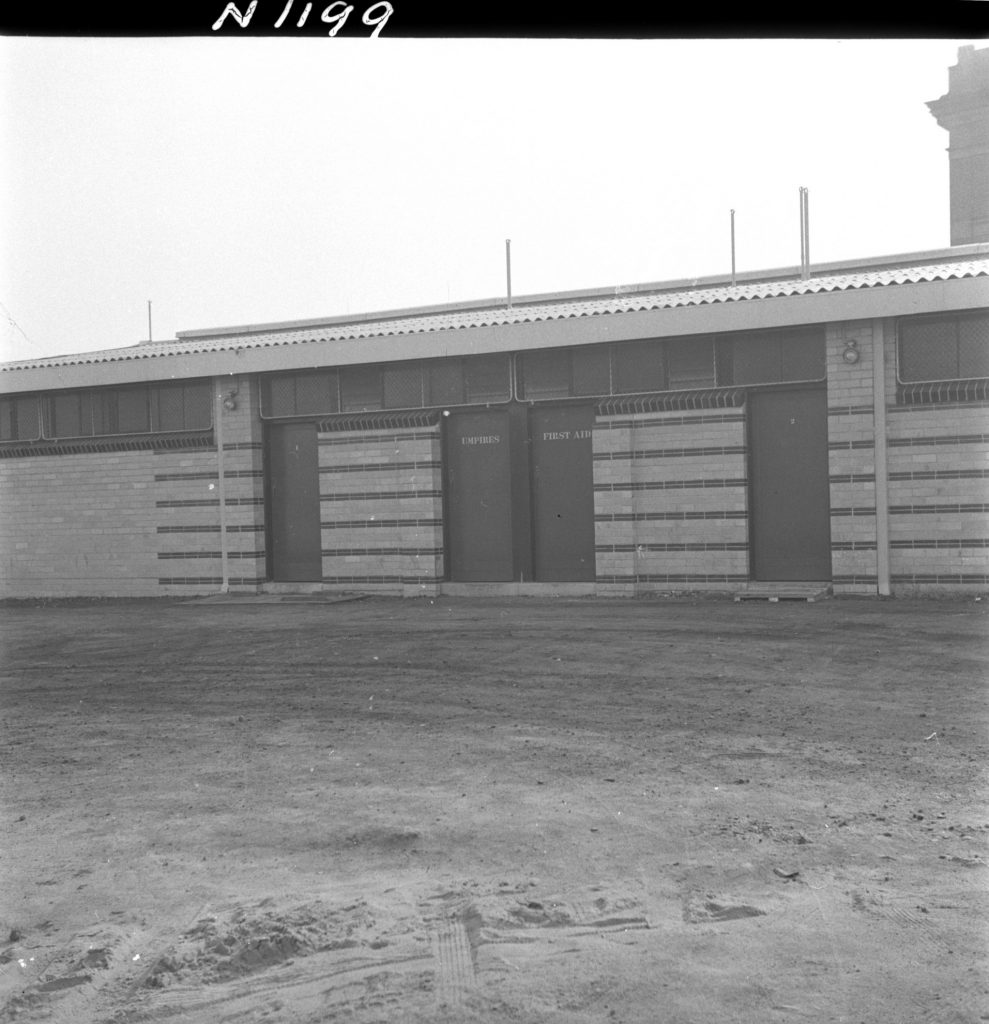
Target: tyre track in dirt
318, 987
455, 967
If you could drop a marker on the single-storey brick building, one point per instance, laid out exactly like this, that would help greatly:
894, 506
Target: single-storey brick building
824, 424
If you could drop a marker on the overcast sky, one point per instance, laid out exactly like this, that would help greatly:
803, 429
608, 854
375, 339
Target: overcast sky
251, 180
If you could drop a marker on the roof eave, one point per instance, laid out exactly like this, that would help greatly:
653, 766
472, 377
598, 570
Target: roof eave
850, 304
953, 254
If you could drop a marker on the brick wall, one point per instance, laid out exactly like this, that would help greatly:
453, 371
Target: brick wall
243, 486
186, 535
104, 521
851, 459
939, 497
78, 525
191, 549
381, 508
937, 482
670, 501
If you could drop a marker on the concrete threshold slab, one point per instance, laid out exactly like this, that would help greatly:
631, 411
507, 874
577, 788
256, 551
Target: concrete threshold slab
450, 589
785, 590
282, 598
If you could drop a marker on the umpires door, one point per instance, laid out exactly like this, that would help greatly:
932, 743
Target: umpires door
479, 497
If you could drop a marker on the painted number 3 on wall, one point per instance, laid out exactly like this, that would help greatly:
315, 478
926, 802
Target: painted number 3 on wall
335, 15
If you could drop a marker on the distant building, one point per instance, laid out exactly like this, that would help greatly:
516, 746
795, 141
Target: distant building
676, 436
964, 112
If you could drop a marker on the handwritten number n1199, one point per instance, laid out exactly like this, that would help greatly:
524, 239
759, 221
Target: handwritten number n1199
376, 15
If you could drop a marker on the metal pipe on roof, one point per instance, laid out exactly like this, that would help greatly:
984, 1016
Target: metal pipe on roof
508, 269
804, 234
800, 214
807, 233
733, 248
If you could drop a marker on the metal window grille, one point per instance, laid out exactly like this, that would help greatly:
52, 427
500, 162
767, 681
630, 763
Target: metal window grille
28, 415
169, 408
546, 374
723, 361
71, 414
108, 412
198, 406
928, 350
404, 387
690, 364
756, 360
20, 418
278, 396
445, 382
133, 414
123, 411
591, 371
360, 388
777, 357
940, 349
104, 412
638, 367
176, 407
973, 347
802, 355
486, 379
316, 393
8, 420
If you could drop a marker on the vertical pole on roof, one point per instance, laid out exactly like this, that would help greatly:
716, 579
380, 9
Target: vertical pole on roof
508, 269
733, 248
149, 319
800, 213
807, 232
804, 234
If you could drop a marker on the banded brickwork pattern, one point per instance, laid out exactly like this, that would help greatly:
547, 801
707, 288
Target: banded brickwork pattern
186, 500
188, 495
243, 488
381, 508
670, 501
137, 517
851, 459
939, 497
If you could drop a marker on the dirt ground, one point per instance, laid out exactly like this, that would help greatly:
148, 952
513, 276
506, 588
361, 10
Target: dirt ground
518, 810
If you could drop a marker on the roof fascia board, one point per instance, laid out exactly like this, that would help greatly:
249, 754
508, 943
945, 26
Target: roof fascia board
753, 314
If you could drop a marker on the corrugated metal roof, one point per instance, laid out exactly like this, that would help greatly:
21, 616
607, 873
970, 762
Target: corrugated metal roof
520, 314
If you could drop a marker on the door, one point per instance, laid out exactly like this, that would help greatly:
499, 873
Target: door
479, 496
789, 499
562, 493
294, 541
